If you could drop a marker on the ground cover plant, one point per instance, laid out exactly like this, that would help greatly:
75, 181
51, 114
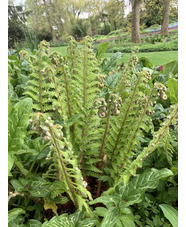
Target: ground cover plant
85, 137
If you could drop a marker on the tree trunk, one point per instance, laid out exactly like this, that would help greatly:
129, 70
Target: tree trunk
49, 22
136, 21
165, 23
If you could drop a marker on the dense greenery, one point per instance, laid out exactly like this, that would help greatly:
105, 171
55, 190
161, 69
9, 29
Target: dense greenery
16, 27
145, 47
91, 142
56, 20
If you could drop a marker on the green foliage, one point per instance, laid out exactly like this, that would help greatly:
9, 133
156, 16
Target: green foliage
126, 195
144, 47
75, 219
31, 40
17, 124
170, 213
16, 25
89, 130
172, 84
14, 213
102, 48
80, 28
109, 63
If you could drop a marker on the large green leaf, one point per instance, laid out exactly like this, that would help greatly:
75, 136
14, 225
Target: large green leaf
170, 67
127, 220
74, 220
14, 213
170, 213
88, 222
60, 221
136, 187
17, 124
145, 62
172, 84
38, 187
18, 120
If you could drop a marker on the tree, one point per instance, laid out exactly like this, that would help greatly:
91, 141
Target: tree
152, 12
49, 18
37, 20
54, 18
16, 24
165, 23
136, 21
115, 12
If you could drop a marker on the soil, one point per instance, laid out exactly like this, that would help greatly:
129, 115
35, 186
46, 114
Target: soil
69, 206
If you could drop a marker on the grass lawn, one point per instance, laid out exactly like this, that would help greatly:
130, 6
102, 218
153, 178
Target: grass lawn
157, 58
61, 50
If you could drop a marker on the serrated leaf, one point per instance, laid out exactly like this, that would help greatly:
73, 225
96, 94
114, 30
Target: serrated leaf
170, 213
170, 67
17, 124
111, 81
14, 213
74, 119
101, 50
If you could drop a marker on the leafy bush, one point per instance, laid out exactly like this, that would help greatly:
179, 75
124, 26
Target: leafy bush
87, 137
145, 47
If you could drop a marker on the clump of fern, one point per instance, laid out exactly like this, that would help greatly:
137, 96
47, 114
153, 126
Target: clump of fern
91, 131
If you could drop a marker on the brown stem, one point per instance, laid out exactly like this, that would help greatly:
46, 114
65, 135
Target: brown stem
58, 95
84, 103
102, 147
125, 118
137, 128
105, 133
63, 167
68, 98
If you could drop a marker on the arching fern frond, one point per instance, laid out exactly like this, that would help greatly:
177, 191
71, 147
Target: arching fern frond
64, 161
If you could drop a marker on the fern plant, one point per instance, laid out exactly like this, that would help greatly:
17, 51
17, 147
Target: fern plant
93, 130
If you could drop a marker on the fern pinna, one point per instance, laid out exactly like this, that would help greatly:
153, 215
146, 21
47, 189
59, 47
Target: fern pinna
91, 131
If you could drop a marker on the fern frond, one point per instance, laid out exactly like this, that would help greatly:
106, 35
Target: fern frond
64, 161
137, 163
